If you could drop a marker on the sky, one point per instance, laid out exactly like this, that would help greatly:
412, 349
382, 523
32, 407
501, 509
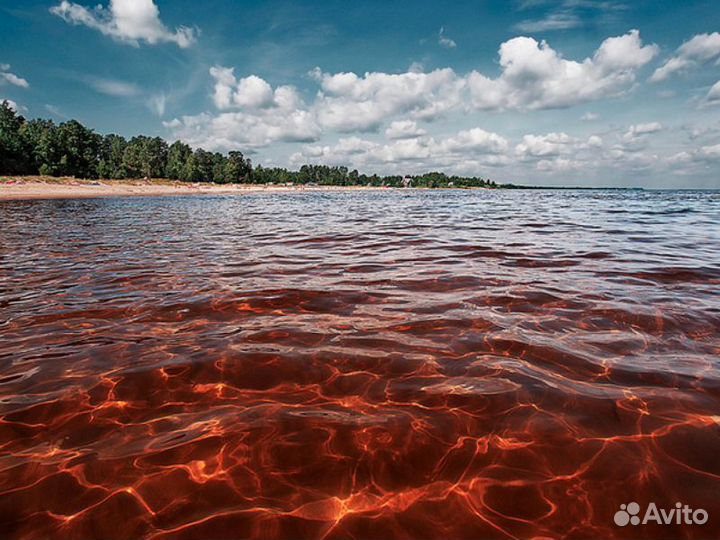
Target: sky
537, 92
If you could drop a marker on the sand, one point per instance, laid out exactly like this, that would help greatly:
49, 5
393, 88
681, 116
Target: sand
19, 188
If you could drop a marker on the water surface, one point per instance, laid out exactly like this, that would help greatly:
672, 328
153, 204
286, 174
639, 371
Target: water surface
401, 364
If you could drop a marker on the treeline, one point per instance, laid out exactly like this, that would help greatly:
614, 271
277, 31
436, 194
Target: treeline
31, 147
70, 149
323, 175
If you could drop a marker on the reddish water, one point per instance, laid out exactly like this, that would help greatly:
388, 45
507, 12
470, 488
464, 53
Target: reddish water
378, 365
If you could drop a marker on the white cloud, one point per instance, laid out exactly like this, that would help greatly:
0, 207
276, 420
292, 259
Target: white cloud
260, 117
554, 21
589, 117
566, 14
113, 87
560, 152
248, 92
638, 130
551, 144
251, 113
468, 151
699, 50
156, 103
55, 111
403, 129
445, 41
475, 140
555, 144
713, 95
13, 105
349, 103
594, 141
10, 78
558, 165
128, 21
232, 130
650, 127
535, 76
701, 155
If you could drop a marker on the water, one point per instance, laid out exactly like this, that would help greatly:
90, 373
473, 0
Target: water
372, 364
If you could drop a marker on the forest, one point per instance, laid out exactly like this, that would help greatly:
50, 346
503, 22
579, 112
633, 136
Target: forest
42, 147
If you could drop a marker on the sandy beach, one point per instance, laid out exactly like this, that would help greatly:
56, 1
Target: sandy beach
20, 188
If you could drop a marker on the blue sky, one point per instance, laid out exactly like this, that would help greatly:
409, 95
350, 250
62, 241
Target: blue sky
580, 92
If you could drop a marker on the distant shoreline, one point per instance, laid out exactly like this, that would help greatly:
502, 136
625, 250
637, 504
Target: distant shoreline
32, 188
43, 187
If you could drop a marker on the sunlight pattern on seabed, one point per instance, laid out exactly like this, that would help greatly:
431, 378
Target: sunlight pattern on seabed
376, 365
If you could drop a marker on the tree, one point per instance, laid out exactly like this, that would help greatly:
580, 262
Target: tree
112, 152
145, 157
237, 168
218, 167
40, 142
29, 147
13, 151
178, 155
79, 150
199, 167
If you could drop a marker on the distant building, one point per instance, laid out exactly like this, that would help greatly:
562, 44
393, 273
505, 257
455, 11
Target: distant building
407, 182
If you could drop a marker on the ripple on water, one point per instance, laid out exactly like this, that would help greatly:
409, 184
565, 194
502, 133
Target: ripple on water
445, 364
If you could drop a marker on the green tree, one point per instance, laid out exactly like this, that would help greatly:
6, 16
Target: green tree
178, 155
112, 152
79, 150
218, 167
29, 147
206, 163
199, 167
145, 157
237, 169
14, 153
40, 139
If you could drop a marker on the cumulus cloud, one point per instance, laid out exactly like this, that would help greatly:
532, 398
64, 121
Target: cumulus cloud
403, 129
248, 92
6, 77
445, 41
638, 130
232, 130
558, 151
254, 115
558, 165
347, 102
545, 145
589, 117
697, 156
468, 151
475, 140
128, 21
695, 52
535, 76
